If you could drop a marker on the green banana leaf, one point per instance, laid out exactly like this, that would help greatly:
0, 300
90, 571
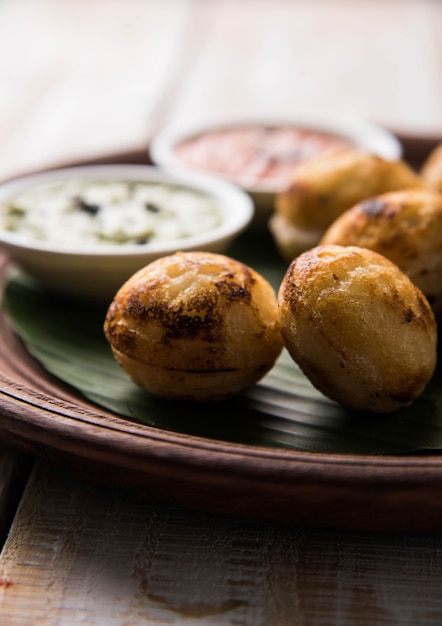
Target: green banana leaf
283, 411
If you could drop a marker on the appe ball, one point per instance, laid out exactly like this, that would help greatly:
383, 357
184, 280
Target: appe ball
195, 326
431, 170
359, 329
404, 226
322, 188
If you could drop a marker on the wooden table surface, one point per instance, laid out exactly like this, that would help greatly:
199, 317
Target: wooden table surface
83, 79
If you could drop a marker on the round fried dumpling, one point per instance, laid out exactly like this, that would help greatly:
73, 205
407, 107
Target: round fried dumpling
195, 326
406, 227
431, 170
359, 329
324, 187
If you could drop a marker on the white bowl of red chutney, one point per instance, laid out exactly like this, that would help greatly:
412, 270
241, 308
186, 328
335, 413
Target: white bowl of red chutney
260, 156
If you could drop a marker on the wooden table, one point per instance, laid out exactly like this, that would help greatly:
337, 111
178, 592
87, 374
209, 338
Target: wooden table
88, 79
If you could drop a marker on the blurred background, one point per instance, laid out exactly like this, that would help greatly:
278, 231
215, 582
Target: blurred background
84, 78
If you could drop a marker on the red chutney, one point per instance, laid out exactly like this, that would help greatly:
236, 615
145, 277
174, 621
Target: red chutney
256, 156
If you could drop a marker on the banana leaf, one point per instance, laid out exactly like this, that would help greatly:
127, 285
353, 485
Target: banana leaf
282, 411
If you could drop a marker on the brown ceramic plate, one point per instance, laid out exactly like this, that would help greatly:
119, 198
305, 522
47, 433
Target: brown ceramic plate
51, 420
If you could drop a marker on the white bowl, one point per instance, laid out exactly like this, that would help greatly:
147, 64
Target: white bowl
358, 133
96, 274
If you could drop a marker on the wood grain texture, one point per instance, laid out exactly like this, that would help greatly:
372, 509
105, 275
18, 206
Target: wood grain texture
285, 59
82, 554
92, 77
88, 77
15, 467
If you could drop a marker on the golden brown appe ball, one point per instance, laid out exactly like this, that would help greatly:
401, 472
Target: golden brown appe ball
431, 170
324, 187
195, 326
359, 329
406, 227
